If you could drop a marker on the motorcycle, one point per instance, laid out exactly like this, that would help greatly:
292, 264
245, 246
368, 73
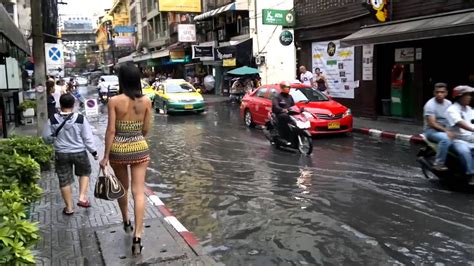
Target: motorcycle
456, 171
299, 139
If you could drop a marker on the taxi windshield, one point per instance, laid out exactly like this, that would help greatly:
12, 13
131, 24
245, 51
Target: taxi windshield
179, 88
308, 95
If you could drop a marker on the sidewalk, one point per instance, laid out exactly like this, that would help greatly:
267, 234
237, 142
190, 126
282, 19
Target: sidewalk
95, 236
392, 129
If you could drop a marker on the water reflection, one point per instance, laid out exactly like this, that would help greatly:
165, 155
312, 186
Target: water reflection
355, 201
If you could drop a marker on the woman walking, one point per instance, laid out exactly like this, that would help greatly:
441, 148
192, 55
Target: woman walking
125, 144
320, 80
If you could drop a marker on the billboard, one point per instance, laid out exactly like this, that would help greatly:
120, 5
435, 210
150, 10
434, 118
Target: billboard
337, 64
180, 5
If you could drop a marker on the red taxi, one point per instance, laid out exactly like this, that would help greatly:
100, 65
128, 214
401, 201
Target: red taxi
329, 116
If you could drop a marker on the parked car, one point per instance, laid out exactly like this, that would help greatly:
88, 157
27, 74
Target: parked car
177, 95
329, 116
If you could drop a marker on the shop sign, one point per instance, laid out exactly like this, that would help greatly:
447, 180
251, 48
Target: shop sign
177, 54
405, 55
226, 52
337, 65
278, 17
230, 62
124, 41
368, 62
186, 32
125, 29
286, 38
180, 5
203, 52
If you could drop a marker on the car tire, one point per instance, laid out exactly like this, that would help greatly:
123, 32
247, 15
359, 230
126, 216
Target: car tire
248, 119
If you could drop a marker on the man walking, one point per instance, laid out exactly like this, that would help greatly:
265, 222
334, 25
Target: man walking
72, 136
436, 124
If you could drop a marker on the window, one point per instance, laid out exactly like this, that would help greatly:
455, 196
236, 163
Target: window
179, 88
261, 92
308, 95
133, 16
272, 94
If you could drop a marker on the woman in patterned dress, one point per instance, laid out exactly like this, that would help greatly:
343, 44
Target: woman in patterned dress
125, 145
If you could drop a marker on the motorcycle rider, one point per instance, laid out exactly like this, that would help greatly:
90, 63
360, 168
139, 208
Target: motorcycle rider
102, 87
280, 105
436, 124
460, 115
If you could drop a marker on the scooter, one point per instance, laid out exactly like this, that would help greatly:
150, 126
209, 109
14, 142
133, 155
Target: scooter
456, 171
299, 139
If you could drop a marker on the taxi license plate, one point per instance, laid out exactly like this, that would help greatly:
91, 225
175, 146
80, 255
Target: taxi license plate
334, 125
189, 106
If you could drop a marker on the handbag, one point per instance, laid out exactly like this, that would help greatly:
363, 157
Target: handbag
108, 187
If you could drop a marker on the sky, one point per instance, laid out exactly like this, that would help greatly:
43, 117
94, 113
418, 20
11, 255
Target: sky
84, 7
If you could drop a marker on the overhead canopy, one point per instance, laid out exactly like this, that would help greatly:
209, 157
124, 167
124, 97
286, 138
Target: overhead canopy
9, 33
440, 25
237, 5
245, 70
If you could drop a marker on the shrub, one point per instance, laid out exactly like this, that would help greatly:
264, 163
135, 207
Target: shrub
27, 104
17, 235
29, 146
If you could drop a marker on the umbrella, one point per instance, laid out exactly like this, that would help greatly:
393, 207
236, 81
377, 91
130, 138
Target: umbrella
245, 70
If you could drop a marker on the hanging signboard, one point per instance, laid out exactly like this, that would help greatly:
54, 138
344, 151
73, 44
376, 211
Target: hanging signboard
125, 29
180, 5
204, 53
187, 32
337, 64
124, 41
278, 17
230, 62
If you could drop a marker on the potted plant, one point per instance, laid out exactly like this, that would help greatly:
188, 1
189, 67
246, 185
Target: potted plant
28, 108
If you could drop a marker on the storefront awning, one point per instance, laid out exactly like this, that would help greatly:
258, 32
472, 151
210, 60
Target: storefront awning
152, 55
128, 58
440, 25
237, 5
10, 33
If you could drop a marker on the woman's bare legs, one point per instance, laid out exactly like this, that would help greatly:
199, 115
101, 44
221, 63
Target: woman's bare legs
121, 172
138, 192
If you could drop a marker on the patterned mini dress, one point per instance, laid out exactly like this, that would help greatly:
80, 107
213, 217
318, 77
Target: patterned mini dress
129, 145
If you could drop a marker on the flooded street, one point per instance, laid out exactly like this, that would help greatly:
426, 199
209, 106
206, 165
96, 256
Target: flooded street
355, 201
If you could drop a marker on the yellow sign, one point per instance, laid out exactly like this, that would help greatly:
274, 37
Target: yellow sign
229, 62
180, 5
177, 54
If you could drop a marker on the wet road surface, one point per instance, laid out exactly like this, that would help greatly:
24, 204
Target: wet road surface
355, 201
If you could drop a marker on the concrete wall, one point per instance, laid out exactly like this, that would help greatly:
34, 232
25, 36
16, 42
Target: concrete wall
280, 60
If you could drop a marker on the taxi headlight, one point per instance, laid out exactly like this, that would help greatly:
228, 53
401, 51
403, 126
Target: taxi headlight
348, 112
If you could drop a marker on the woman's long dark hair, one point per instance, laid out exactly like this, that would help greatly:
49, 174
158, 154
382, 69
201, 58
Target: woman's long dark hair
129, 80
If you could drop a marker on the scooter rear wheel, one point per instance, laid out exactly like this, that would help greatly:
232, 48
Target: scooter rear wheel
305, 145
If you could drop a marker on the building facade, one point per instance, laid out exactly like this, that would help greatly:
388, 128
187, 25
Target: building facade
381, 56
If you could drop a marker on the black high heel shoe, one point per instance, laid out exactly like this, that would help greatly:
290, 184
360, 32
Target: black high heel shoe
127, 227
137, 246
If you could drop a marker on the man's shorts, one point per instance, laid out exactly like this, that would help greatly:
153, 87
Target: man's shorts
64, 163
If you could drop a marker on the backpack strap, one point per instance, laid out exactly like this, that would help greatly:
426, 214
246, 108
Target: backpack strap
53, 120
79, 119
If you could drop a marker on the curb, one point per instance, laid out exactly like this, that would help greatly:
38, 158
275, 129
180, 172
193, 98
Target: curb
416, 139
188, 237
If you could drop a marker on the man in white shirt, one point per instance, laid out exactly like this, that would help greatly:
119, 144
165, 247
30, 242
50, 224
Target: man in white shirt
460, 117
306, 76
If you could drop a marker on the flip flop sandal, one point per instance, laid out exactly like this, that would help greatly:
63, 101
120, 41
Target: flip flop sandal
65, 212
84, 204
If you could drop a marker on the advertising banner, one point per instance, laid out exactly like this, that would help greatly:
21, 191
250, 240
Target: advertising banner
368, 62
278, 17
337, 65
124, 41
180, 5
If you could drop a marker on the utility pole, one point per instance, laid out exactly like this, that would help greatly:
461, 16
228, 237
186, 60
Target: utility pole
40, 68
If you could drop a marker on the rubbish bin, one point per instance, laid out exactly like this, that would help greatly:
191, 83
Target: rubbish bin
386, 106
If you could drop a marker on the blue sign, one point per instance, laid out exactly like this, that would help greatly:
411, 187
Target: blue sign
125, 29
54, 53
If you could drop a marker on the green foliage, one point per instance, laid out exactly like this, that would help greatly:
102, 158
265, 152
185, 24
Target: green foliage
17, 236
27, 104
29, 146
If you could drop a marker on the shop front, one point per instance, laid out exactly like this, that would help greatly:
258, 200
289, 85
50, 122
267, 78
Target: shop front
410, 56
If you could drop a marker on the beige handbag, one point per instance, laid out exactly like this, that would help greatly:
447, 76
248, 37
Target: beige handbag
108, 187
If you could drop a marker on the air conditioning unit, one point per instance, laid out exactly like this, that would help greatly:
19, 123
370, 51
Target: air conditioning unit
260, 60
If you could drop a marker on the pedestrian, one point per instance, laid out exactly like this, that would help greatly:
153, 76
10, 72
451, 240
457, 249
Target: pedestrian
71, 136
57, 93
306, 77
320, 81
125, 145
51, 101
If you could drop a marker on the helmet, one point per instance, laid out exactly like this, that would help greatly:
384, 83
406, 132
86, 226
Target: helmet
461, 90
284, 84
